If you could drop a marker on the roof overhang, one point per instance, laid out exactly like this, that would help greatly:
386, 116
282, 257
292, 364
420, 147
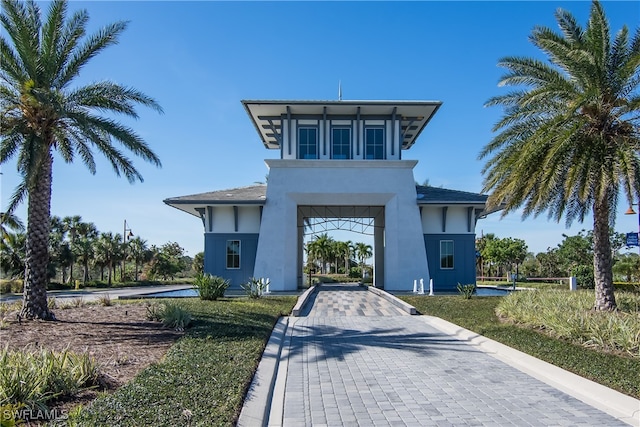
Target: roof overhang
268, 115
194, 204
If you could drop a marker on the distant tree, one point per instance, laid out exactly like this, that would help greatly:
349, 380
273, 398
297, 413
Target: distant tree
9, 222
71, 225
167, 260
198, 262
569, 138
321, 249
42, 112
83, 250
363, 252
107, 250
628, 267
139, 252
12, 254
575, 251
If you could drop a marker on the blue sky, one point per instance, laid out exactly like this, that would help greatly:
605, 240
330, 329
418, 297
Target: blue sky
199, 59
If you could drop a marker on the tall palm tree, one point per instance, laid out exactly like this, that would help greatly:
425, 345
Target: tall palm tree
41, 113
71, 225
568, 141
83, 250
323, 248
138, 252
107, 250
363, 252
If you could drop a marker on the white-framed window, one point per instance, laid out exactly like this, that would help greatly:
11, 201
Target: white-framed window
341, 143
307, 143
446, 254
374, 143
233, 254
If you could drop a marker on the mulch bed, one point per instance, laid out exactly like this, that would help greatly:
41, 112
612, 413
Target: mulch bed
119, 337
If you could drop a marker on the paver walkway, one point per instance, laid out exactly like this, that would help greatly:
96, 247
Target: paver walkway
346, 368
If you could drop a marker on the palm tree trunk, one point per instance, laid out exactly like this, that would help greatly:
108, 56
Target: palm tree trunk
602, 262
34, 299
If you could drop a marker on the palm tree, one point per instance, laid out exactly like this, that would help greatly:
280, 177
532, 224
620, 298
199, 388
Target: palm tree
9, 221
138, 252
363, 252
83, 246
568, 141
12, 247
41, 113
107, 250
83, 250
71, 225
323, 249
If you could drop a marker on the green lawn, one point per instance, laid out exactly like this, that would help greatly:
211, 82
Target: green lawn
205, 373
478, 315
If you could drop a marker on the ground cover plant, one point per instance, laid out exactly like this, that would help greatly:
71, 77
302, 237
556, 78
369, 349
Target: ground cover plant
478, 315
204, 376
29, 380
569, 315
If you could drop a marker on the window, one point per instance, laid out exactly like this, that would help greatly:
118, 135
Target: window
374, 143
307, 143
341, 143
446, 254
233, 254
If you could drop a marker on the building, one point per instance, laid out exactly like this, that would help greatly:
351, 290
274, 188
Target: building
339, 160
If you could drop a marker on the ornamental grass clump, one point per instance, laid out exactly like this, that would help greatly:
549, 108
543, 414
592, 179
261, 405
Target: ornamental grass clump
29, 379
570, 315
210, 287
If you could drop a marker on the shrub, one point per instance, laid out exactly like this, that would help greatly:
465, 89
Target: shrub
210, 287
254, 288
175, 317
584, 275
170, 314
466, 291
11, 286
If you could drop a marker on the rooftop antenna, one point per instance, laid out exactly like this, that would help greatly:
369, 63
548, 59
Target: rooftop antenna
339, 90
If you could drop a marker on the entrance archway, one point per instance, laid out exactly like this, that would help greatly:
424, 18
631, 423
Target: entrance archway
369, 220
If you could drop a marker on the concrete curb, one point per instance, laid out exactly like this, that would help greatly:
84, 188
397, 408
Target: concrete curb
612, 402
302, 300
394, 300
257, 403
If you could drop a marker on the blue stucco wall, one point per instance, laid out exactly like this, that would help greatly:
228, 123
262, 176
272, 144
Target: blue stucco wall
464, 261
215, 256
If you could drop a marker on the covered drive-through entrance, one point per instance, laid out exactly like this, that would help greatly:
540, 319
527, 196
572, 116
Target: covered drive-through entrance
366, 220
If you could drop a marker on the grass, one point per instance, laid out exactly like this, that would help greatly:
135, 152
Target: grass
478, 314
204, 376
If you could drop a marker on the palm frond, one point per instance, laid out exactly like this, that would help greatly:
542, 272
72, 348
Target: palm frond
104, 38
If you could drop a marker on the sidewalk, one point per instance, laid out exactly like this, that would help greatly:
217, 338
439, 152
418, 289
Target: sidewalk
344, 368
94, 294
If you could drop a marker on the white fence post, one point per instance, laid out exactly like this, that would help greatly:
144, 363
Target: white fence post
573, 283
